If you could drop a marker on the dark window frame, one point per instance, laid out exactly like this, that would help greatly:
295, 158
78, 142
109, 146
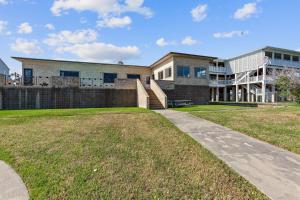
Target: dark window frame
287, 57
295, 58
110, 79
168, 72
28, 79
160, 75
65, 73
133, 76
198, 69
276, 56
270, 54
183, 71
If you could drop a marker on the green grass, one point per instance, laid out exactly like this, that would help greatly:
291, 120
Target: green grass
124, 153
196, 108
279, 126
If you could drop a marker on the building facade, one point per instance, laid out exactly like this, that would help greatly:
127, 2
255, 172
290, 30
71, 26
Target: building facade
4, 70
200, 79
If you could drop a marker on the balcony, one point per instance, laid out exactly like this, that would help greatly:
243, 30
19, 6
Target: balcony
285, 63
217, 69
220, 82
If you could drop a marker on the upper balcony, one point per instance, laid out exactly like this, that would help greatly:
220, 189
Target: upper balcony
215, 69
285, 63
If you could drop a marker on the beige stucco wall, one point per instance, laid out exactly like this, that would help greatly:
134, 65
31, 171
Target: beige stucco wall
162, 67
192, 63
89, 71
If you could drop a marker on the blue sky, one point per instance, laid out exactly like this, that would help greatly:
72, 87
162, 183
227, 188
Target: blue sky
141, 31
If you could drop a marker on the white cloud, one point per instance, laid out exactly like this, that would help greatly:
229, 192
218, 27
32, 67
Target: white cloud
161, 42
247, 11
26, 46
24, 28
66, 37
101, 52
3, 2
115, 22
189, 41
102, 7
298, 49
50, 26
3, 28
231, 34
199, 13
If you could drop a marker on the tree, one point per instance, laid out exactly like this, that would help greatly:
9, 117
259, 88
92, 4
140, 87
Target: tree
288, 83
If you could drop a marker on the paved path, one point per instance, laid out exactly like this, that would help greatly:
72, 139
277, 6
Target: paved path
272, 170
11, 185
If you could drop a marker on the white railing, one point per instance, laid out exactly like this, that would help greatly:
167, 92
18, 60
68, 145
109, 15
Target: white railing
285, 63
217, 69
142, 95
162, 97
221, 82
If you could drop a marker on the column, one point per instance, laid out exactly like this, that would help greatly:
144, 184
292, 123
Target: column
243, 93
248, 88
37, 100
237, 93
273, 93
212, 94
218, 94
1, 100
263, 99
225, 94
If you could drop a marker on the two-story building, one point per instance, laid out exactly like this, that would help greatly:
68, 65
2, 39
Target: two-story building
179, 76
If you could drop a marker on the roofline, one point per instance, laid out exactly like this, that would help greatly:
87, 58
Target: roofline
168, 55
263, 49
71, 61
5, 65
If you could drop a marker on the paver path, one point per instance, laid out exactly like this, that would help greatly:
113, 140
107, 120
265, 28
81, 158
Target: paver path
11, 185
274, 171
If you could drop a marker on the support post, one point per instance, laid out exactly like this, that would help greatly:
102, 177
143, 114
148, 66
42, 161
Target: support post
237, 93
243, 93
264, 85
218, 94
212, 94
37, 100
273, 93
225, 94
1, 99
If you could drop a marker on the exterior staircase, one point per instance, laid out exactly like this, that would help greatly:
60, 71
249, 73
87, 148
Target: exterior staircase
154, 102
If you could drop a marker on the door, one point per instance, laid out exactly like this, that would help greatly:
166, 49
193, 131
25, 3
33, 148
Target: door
28, 77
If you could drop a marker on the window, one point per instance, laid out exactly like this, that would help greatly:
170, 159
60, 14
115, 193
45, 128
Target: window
183, 71
269, 54
286, 57
160, 75
69, 73
110, 77
277, 56
296, 58
148, 78
28, 76
133, 76
168, 72
200, 72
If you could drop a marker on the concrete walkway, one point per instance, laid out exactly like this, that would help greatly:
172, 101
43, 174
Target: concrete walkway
272, 170
11, 185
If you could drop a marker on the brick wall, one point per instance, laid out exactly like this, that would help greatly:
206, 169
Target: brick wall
198, 94
48, 98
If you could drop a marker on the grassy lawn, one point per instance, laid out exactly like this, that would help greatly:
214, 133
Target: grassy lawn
278, 126
196, 108
126, 153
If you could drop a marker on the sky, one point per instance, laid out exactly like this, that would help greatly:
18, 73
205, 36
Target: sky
141, 31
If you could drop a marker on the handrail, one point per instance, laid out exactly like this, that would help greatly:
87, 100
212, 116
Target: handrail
142, 95
162, 97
